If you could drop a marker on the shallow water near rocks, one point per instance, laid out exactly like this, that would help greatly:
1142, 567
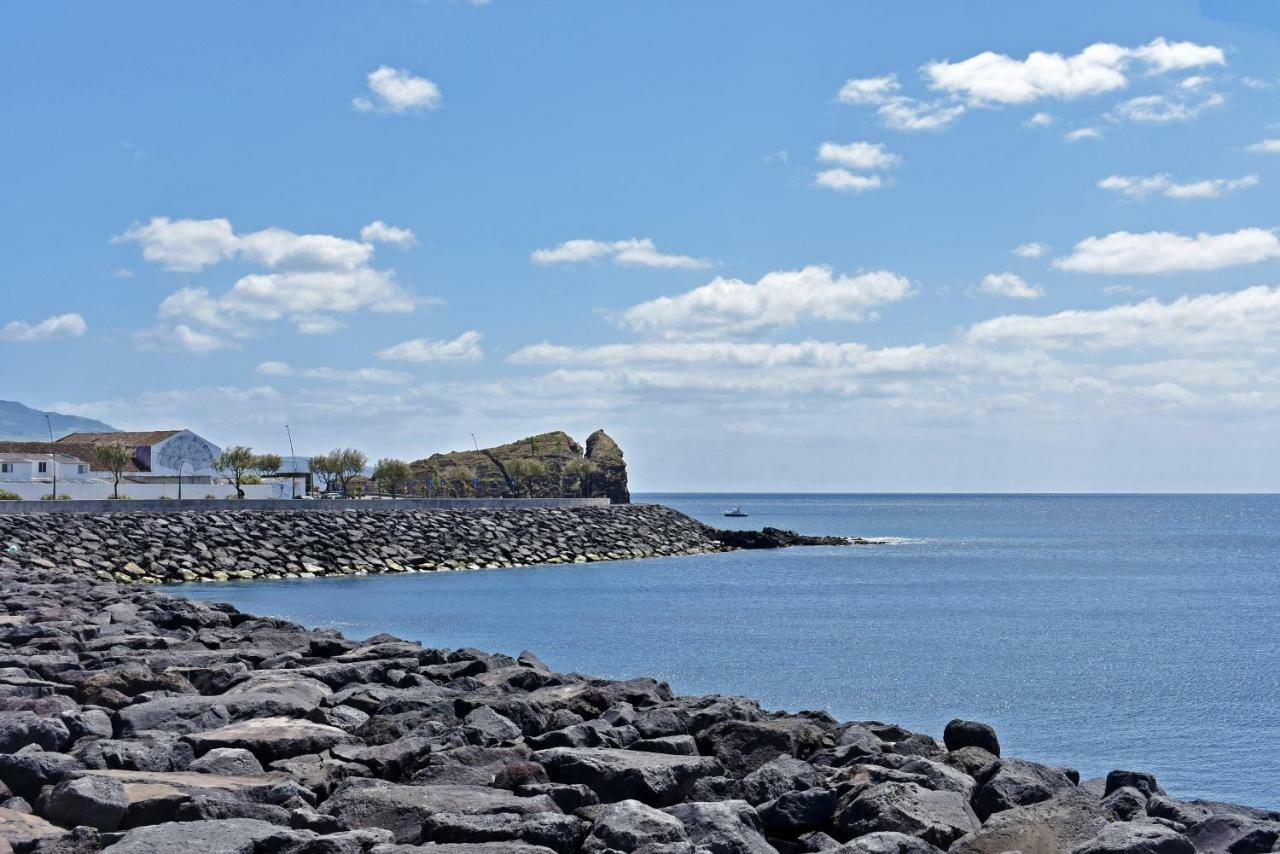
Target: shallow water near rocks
1094, 631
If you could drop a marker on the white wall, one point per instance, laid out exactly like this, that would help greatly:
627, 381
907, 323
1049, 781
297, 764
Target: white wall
184, 445
102, 489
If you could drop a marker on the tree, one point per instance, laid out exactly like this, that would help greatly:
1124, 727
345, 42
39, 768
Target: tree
525, 469
325, 467
235, 462
348, 462
114, 458
458, 479
268, 464
581, 470
392, 475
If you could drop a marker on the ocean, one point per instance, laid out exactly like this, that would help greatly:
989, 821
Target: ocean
1096, 631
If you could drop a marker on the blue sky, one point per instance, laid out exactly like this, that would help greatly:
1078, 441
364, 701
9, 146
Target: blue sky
768, 246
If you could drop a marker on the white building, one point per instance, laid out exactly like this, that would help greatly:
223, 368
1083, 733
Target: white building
28, 467
156, 454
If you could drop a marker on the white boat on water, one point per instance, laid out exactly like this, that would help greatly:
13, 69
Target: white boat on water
735, 512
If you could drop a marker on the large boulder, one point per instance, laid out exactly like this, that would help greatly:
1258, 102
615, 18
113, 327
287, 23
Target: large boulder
725, 827
561, 833
1058, 824
887, 842
797, 811
19, 729
21, 830
95, 801
938, 818
658, 779
629, 825
219, 836
1235, 834
744, 746
1016, 783
272, 738
961, 733
1132, 837
403, 809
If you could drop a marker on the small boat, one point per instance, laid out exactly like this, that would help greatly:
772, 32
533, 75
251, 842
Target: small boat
735, 512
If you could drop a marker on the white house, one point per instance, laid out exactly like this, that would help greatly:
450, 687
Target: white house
157, 455
28, 467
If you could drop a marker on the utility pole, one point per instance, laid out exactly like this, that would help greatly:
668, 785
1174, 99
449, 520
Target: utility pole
53, 456
293, 459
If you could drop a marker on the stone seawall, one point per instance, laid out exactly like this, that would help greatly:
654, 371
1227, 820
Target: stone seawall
132, 722
245, 544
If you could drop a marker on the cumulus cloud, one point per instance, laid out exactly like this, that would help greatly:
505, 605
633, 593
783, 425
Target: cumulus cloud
1082, 133
1140, 187
1266, 146
898, 111
1032, 250
1009, 285
359, 376
995, 78
379, 232
636, 252
1039, 120
58, 326
869, 90
867, 156
395, 90
777, 299
844, 181
310, 278
1188, 323
1124, 252
464, 348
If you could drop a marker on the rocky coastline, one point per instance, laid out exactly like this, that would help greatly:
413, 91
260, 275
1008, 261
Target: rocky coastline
180, 546
134, 722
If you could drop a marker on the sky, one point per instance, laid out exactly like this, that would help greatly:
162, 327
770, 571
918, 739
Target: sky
820, 246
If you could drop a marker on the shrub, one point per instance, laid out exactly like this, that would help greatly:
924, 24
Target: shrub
55, 498
6, 495
250, 479
211, 497
165, 498
117, 498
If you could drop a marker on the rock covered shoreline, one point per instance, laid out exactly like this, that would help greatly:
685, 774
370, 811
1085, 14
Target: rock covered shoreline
221, 545
137, 723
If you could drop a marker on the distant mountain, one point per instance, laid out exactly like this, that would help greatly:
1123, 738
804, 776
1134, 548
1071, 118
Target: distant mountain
20, 423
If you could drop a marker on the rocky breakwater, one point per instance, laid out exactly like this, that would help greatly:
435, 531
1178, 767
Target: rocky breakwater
137, 723
222, 545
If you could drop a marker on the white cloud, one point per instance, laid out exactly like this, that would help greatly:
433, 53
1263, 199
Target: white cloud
1166, 252
637, 252
311, 278
994, 78
869, 90
1187, 323
1139, 187
122, 273
184, 245
777, 299
464, 348
57, 326
844, 181
1039, 120
1256, 83
1032, 250
1159, 109
910, 114
1267, 146
1194, 82
379, 232
1082, 133
867, 156
1009, 285
360, 376
395, 90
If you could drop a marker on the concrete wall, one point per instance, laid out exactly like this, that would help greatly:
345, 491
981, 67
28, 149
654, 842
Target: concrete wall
99, 490
20, 508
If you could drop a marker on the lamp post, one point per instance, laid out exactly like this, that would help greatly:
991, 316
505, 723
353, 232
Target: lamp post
293, 460
53, 456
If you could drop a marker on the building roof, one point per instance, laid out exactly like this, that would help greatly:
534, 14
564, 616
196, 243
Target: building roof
131, 440
84, 452
12, 457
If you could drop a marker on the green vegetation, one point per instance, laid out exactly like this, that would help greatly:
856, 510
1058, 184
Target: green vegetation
525, 470
581, 471
392, 475
6, 495
236, 462
268, 464
113, 458
457, 480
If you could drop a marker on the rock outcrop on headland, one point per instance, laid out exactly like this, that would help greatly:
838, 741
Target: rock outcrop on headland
221, 545
137, 723
555, 451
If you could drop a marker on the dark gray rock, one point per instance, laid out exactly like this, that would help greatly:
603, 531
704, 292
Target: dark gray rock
227, 760
887, 842
1140, 780
20, 729
1235, 834
1126, 837
726, 827
98, 802
561, 833
1125, 804
1016, 782
615, 775
628, 826
961, 733
939, 818
743, 746
777, 777
794, 812
1058, 824
224, 836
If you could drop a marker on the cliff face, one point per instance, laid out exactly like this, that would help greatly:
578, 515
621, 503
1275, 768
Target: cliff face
610, 478
499, 473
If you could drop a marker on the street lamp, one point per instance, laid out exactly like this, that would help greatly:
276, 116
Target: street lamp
53, 456
293, 461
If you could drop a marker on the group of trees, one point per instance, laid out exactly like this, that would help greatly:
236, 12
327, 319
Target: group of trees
338, 467
240, 463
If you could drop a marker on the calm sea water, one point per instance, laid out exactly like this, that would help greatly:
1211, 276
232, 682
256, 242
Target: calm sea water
1093, 631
